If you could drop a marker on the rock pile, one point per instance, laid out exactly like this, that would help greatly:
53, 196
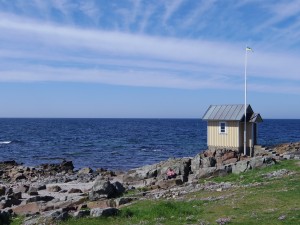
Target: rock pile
54, 192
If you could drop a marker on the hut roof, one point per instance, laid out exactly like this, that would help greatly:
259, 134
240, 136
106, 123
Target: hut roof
231, 113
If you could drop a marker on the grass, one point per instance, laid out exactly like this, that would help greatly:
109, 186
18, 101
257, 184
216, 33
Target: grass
246, 204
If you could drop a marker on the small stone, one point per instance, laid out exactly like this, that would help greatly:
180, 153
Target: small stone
74, 190
222, 221
32, 191
41, 187
282, 217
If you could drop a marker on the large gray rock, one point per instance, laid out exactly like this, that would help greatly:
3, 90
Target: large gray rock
208, 162
44, 198
32, 191
182, 167
241, 166
85, 170
119, 188
53, 216
105, 189
166, 184
258, 162
141, 173
54, 188
255, 162
195, 163
98, 212
22, 188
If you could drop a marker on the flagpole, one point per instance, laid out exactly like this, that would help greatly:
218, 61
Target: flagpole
245, 121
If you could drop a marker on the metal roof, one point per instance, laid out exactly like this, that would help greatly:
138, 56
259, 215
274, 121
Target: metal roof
227, 112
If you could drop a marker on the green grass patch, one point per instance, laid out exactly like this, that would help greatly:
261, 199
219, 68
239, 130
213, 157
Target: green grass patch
256, 175
17, 220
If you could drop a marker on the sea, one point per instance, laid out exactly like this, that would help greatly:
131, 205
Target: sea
118, 144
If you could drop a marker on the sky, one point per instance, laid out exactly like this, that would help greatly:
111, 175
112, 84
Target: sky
148, 59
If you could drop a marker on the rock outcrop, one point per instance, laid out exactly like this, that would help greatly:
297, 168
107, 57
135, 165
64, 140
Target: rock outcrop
53, 192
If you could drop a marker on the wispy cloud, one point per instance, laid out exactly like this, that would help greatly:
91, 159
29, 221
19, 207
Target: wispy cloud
40, 51
200, 9
170, 8
91, 10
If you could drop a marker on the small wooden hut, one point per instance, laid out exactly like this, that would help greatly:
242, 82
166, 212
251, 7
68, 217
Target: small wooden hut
225, 127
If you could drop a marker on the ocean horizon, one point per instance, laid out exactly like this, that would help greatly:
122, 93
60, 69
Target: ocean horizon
118, 143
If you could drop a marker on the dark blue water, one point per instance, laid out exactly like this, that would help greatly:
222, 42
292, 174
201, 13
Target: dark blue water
117, 143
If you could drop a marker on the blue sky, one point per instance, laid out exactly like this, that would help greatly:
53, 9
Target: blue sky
147, 59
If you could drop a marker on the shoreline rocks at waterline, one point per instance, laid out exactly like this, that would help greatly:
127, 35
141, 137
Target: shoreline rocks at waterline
53, 192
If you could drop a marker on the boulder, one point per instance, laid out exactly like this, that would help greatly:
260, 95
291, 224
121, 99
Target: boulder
141, 173
41, 187
208, 162
32, 191
54, 188
181, 166
165, 184
67, 165
2, 190
241, 166
45, 198
205, 172
119, 188
229, 154
98, 212
195, 163
255, 162
209, 153
53, 216
71, 201
85, 170
258, 162
30, 208
102, 189
22, 188
74, 190
230, 161
213, 171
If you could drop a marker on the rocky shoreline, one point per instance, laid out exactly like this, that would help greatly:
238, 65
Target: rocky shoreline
54, 192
